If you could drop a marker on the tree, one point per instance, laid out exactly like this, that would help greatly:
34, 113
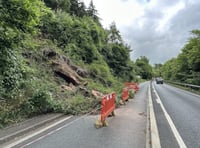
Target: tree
118, 58
157, 70
169, 69
92, 12
77, 8
17, 18
189, 59
114, 34
58, 28
145, 69
57, 5
185, 68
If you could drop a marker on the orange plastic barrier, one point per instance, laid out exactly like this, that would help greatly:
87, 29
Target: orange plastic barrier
125, 94
134, 86
107, 106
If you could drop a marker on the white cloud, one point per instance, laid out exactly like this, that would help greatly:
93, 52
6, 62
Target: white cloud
169, 13
157, 29
123, 13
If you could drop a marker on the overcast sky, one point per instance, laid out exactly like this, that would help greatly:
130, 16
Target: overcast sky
157, 29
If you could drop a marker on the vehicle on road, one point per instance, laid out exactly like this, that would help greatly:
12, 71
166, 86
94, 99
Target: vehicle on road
159, 80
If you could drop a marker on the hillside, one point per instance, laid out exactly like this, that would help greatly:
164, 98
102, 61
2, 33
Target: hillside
57, 57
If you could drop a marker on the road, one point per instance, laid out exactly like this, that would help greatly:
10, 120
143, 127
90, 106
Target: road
177, 114
183, 109
127, 129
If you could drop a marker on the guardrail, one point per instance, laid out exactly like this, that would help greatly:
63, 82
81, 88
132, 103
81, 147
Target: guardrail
185, 84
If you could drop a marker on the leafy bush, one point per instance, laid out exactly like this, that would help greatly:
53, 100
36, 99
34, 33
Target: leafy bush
101, 72
77, 105
57, 28
8, 115
28, 85
40, 102
131, 94
11, 72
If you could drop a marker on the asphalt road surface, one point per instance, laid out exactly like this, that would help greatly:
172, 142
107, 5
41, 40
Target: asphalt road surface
126, 130
177, 115
184, 110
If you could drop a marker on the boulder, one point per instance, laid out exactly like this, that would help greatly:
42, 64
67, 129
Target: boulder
97, 94
63, 70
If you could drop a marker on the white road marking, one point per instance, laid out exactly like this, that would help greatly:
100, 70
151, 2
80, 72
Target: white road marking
185, 91
158, 101
155, 139
42, 130
171, 124
36, 133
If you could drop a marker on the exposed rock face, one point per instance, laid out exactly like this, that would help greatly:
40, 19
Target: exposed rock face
81, 72
64, 68
68, 88
97, 94
72, 74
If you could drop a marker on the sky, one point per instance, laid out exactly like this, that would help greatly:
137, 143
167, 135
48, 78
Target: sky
157, 29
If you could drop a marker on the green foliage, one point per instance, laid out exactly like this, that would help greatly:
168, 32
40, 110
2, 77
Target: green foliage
41, 102
92, 12
57, 28
28, 85
144, 68
157, 70
23, 19
114, 34
100, 71
56, 5
14, 23
85, 36
117, 57
185, 68
10, 71
76, 105
131, 94
77, 8
169, 69
8, 115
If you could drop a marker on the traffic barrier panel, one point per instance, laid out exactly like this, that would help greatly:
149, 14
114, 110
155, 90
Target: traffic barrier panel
124, 96
107, 108
134, 86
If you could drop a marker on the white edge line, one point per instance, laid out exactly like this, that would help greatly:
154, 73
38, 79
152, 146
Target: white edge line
171, 124
36, 133
148, 127
66, 125
185, 91
155, 139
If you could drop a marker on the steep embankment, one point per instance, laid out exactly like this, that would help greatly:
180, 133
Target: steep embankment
57, 57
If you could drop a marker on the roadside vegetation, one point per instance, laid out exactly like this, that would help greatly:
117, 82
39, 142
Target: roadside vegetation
55, 54
185, 68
